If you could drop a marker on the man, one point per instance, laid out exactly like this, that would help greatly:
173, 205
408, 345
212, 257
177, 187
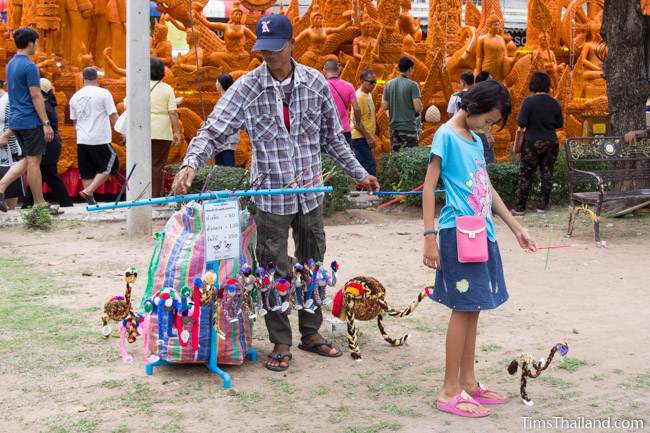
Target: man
344, 96
27, 118
288, 112
363, 131
403, 104
466, 81
93, 113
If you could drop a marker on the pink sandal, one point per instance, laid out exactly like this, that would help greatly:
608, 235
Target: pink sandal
479, 395
451, 406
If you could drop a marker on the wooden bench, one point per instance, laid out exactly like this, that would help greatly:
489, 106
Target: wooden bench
598, 166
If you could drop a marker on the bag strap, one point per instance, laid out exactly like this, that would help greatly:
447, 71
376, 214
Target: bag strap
154, 86
153, 267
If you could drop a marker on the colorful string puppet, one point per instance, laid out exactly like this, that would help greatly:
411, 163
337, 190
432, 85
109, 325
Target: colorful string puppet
131, 323
117, 308
363, 298
189, 312
530, 368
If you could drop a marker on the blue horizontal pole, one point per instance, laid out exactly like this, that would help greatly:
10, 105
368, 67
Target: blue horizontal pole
211, 195
401, 192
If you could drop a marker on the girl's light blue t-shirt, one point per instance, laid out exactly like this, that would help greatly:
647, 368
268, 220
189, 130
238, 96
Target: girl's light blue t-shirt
464, 173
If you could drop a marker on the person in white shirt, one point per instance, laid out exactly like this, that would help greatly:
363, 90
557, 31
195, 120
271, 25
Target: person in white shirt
93, 112
466, 81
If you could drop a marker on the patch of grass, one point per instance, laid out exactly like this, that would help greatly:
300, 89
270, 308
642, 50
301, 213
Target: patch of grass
139, 396
390, 385
171, 427
394, 409
42, 337
490, 347
383, 426
83, 425
598, 377
112, 383
568, 395
123, 428
556, 382
248, 400
432, 371
618, 371
321, 389
338, 414
283, 391
37, 218
642, 381
571, 364
397, 366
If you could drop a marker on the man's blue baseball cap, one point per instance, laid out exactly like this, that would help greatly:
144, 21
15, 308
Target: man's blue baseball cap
272, 31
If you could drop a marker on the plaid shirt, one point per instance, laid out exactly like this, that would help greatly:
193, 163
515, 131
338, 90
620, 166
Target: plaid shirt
254, 103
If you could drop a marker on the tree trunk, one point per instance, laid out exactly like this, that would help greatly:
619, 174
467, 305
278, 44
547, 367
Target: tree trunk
627, 33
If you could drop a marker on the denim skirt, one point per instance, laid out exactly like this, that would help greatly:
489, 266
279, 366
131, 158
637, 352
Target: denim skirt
468, 286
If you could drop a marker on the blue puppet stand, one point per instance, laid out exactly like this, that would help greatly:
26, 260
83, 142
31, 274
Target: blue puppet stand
212, 364
222, 227
222, 242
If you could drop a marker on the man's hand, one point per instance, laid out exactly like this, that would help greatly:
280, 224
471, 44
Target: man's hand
183, 180
371, 183
631, 137
177, 139
371, 142
48, 132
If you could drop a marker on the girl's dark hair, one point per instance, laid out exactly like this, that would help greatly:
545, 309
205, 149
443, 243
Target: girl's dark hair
225, 80
484, 97
540, 82
157, 69
23, 36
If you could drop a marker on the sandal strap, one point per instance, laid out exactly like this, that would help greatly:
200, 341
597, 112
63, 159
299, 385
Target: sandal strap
279, 356
318, 343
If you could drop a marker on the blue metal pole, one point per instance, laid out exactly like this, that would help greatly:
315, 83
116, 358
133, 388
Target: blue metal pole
212, 195
401, 192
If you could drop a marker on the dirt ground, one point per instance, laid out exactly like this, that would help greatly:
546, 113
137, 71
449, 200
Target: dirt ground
60, 376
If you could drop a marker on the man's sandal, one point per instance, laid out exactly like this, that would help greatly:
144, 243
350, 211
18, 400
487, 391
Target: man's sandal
314, 346
279, 357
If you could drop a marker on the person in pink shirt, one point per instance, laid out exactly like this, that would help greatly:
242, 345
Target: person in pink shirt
344, 95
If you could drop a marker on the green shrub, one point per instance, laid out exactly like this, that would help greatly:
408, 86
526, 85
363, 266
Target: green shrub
405, 170
38, 217
338, 199
505, 178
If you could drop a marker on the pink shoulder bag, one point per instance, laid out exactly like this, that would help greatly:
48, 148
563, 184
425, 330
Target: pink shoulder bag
471, 239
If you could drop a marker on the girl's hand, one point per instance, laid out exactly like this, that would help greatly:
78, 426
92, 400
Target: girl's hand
525, 240
431, 257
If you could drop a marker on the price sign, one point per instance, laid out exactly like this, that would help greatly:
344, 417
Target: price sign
222, 230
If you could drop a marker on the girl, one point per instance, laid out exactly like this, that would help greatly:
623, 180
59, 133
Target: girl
467, 288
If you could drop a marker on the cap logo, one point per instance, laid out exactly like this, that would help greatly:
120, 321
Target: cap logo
265, 27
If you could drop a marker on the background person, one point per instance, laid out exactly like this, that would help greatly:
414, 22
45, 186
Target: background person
27, 117
93, 112
403, 104
540, 115
227, 156
363, 133
165, 125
